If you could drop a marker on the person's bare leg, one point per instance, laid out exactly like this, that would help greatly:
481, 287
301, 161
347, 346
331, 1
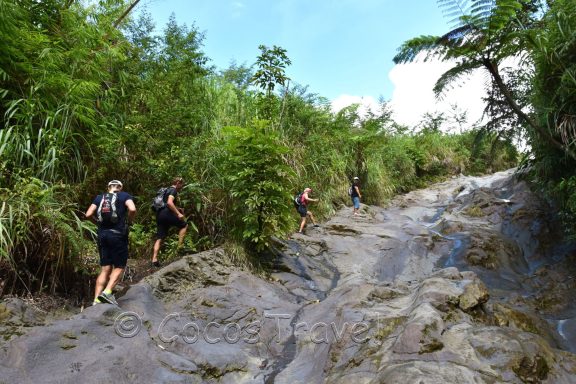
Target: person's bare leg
302, 224
115, 277
101, 280
181, 234
312, 217
157, 245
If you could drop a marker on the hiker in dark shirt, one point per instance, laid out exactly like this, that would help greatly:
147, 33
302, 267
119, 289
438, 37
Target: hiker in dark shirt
169, 216
112, 212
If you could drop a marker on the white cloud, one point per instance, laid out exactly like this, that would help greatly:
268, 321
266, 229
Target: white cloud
413, 95
366, 103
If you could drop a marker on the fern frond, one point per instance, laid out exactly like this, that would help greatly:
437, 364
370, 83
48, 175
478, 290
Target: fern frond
455, 9
453, 76
430, 45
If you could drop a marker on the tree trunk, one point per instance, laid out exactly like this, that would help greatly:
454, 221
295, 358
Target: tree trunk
493, 69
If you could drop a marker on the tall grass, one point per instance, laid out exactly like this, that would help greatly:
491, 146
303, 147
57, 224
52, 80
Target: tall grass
42, 237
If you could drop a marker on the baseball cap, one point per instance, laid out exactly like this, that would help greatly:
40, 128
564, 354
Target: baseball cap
115, 182
356, 178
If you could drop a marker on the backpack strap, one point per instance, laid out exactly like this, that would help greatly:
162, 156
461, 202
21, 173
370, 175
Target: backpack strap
99, 210
113, 202
165, 194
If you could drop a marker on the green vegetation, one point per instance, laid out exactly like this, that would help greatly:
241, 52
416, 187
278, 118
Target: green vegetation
534, 98
88, 95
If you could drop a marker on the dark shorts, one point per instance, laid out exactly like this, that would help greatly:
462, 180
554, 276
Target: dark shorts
166, 219
113, 248
302, 210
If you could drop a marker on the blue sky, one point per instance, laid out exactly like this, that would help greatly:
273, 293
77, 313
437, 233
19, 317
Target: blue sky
341, 49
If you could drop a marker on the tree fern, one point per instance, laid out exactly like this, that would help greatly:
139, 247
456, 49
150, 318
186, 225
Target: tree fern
486, 33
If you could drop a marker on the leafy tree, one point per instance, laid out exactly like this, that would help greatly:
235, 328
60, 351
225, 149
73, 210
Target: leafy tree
271, 66
486, 33
432, 121
555, 71
239, 75
258, 180
554, 100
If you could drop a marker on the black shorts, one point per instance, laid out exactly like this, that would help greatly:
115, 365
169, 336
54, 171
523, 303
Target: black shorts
113, 248
302, 210
166, 219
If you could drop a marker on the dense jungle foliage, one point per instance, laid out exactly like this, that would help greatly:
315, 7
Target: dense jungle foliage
90, 92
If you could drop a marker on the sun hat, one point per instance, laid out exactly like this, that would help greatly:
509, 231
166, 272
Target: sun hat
115, 182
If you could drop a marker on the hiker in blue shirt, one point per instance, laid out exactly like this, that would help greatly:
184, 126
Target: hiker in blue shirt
355, 194
112, 212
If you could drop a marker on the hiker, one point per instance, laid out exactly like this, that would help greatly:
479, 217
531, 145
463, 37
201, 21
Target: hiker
169, 216
303, 209
355, 194
113, 212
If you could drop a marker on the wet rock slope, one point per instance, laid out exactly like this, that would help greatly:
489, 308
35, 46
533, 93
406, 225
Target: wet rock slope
463, 282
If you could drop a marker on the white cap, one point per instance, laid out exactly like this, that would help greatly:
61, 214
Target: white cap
115, 182
356, 178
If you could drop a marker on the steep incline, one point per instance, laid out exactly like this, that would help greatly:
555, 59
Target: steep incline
463, 282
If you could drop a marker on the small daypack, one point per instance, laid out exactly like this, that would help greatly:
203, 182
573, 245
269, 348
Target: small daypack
158, 202
350, 190
297, 200
106, 213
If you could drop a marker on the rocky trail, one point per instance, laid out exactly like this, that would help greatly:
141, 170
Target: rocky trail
463, 282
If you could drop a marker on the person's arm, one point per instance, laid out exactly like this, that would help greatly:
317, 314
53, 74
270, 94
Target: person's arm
173, 208
131, 210
358, 191
90, 212
308, 198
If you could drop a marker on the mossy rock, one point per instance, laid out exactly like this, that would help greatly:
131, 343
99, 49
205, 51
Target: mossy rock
4, 312
387, 326
507, 317
532, 370
474, 211
431, 346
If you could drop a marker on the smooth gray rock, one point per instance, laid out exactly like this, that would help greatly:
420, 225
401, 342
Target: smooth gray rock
456, 283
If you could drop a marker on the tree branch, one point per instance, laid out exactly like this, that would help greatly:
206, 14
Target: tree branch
493, 69
126, 12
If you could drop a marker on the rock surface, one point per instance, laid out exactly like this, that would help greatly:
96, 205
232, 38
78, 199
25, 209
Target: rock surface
463, 282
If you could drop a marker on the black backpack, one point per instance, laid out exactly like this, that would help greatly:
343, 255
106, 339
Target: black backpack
158, 202
297, 200
106, 213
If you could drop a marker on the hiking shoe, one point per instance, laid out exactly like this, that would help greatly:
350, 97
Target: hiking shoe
316, 225
156, 264
107, 298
